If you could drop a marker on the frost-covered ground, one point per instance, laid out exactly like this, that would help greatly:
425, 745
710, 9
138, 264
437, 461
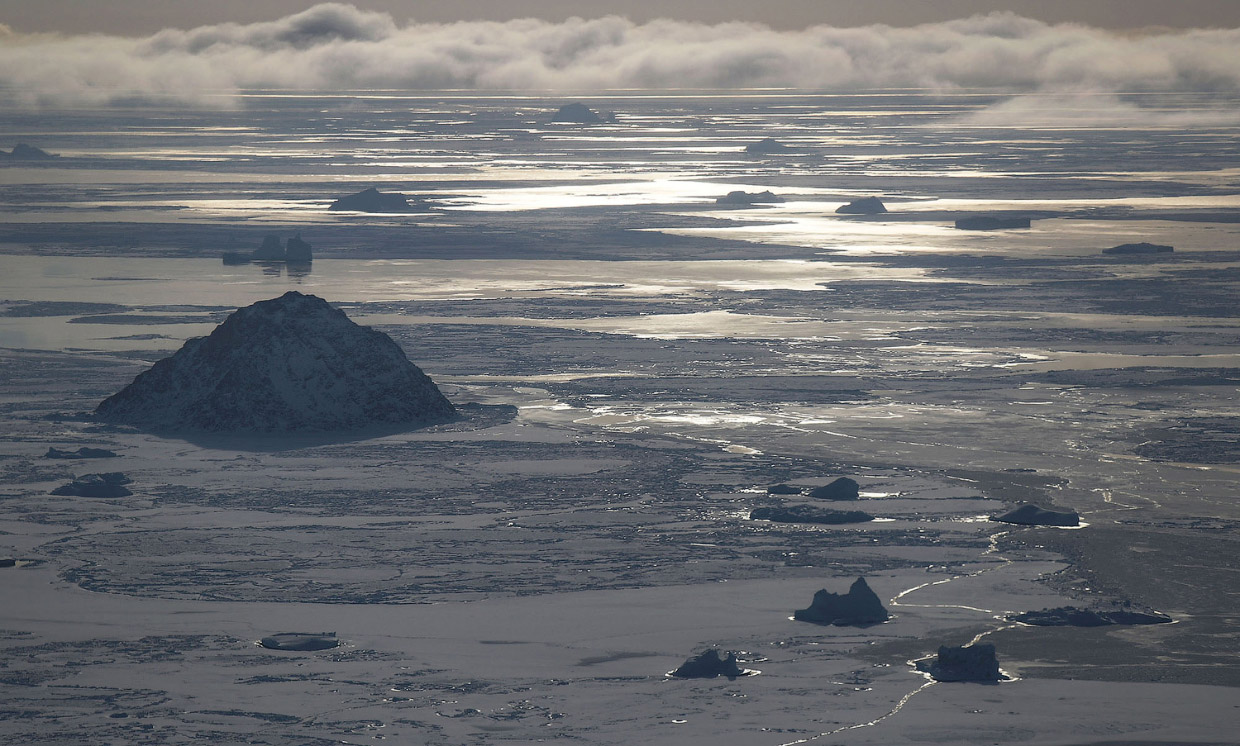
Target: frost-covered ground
534, 574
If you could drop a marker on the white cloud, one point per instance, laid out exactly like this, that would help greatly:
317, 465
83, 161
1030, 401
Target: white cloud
1083, 109
337, 46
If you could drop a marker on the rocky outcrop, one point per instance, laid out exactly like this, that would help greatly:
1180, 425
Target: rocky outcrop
766, 146
1031, 515
1071, 616
708, 665
1139, 248
290, 364
80, 453
991, 223
111, 484
841, 489
24, 152
749, 198
300, 641
863, 206
967, 663
372, 200
783, 489
808, 514
576, 113
860, 606
8, 562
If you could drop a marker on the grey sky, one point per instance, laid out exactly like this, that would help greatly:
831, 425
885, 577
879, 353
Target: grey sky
140, 17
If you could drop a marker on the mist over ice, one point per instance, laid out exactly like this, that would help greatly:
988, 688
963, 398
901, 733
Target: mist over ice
336, 46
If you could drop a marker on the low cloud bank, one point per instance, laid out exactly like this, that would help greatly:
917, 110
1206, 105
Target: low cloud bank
336, 46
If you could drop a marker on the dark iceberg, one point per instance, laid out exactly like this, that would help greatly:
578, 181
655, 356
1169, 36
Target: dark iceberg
272, 249
863, 206
576, 114
708, 665
767, 145
808, 514
1139, 248
297, 251
1071, 616
290, 364
749, 198
372, 200
301, 641
967, 663
859, 606
111, 484
782, 489
24, 152
991, 223
1031, 515
841, 489
80, 453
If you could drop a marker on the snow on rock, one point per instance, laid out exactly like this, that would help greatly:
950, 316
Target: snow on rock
289, 364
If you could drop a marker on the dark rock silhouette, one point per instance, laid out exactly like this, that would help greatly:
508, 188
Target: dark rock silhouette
111, 484
24, 152
287, 364
783, 489
708, 665
297, 251
967, 663
1139, 248
1071, 616
1031, 515
80, 453
372, 200
765, 146
270, 250
749, 198
808, 514
991, 223
859, 606
576, 113
863, 206
8, 562
841, 489
301, 641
